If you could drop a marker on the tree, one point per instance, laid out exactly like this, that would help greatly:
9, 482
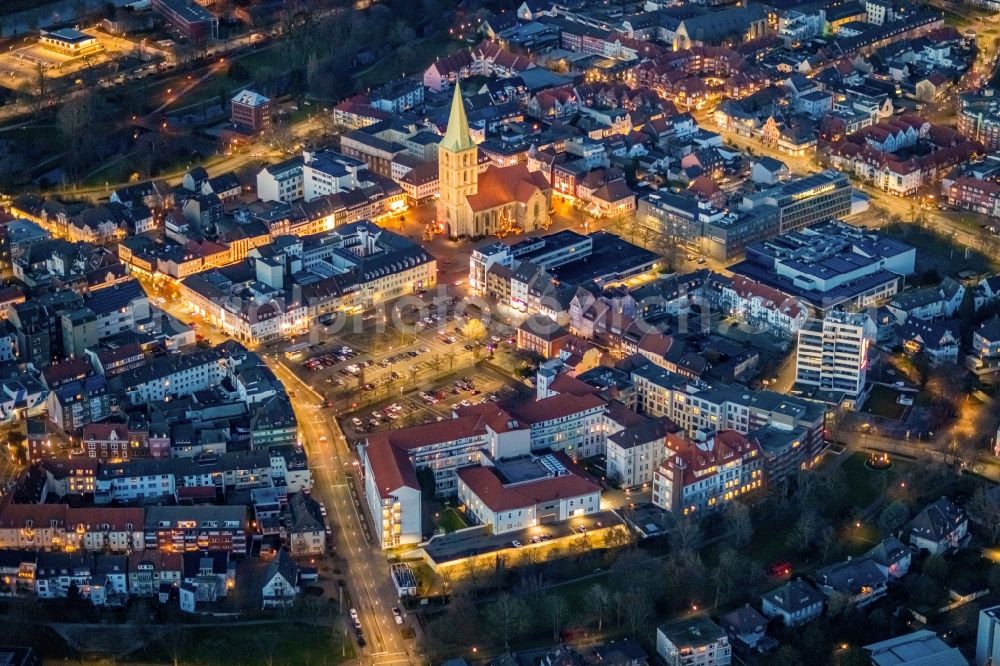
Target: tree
786, 656
473, 330
598, 598
936, 567
638, 609
985, 510
802, 533
508, 616
556, 609
687, 533
79, 120
893, 516
738, 522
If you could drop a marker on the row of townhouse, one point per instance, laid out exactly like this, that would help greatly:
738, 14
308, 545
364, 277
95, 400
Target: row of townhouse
57, 527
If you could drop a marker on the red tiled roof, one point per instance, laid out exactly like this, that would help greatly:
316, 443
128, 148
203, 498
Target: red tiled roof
555, 407
391, 467
564, 383
40, 515
66, 370
488, 487
103, 431
503, 185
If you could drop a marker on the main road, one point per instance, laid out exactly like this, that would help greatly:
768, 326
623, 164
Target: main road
334, 469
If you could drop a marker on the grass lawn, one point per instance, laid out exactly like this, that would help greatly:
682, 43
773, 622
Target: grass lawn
425, 52
939, 252
285, 643
450, 521
882, 402
864, 484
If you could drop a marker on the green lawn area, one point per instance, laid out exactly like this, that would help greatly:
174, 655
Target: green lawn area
882, 402
450, 521
425, 51
863, 483
285, 643
939, 252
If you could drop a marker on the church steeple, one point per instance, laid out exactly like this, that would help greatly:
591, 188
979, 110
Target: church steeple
457, 137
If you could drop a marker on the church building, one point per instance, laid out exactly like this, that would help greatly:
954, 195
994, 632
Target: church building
499, 202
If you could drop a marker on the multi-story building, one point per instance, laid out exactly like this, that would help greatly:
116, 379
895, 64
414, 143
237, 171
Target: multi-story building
190, 19
695, 641
702, 227
304, 526
513, 494
988, 636
699, 410
392, 493
251, 111
564, 422
637, 448
197, 528
833, 356
705, 474
979, 117
61, 527
173, 376
805, 201
830, 265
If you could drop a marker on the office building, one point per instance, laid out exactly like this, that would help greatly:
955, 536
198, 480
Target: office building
805, 201
188, 18
251, 111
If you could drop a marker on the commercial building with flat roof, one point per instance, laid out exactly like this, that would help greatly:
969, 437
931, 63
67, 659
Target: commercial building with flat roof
831, 265
70, 42
805, 201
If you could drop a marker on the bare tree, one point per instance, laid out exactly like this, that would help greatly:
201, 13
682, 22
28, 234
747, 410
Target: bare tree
557, 609
985, 510
739, 523
598, 598
509, 616
687, 533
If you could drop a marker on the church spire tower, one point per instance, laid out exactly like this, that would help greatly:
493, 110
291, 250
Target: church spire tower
458, 171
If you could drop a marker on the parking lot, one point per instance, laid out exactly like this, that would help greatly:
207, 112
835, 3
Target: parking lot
393, 378
428, 404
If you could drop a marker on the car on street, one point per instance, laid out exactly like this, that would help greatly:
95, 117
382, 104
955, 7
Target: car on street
398, 614
516, 543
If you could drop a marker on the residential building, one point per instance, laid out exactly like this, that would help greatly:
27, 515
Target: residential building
280, 583
833, 355
196, 528
304, 526
705, 474
637, 449
148, 570
60, 527
796, 602
892, 557
745, 627
696, 641
859, 582
941, 527
392, 493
